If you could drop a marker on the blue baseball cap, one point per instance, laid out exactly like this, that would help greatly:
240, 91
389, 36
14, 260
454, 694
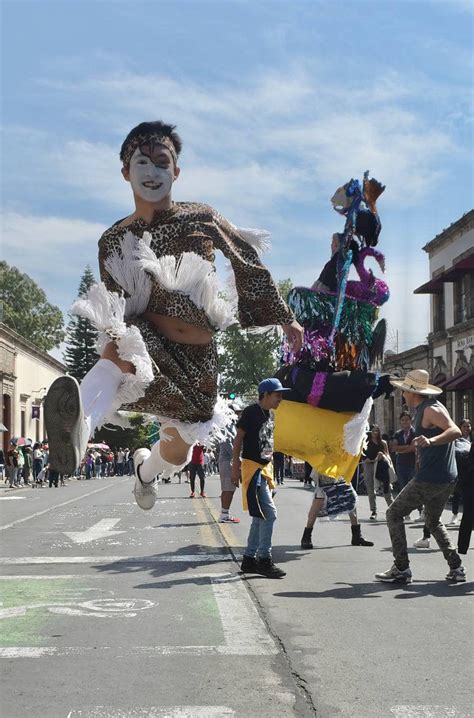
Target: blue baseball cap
270, 385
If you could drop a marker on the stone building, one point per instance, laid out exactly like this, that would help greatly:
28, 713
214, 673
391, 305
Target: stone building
26, 372
448, 354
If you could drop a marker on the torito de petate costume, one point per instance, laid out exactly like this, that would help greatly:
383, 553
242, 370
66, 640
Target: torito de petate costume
324, 419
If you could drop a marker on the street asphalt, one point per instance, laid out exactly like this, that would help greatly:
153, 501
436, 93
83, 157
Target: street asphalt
112, 612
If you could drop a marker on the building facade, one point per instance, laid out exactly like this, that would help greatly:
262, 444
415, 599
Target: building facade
26, 373
449, 352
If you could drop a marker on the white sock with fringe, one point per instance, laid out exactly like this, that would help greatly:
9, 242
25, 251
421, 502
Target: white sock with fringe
156, 464
99, 389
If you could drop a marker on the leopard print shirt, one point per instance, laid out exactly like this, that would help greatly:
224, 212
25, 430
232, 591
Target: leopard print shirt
195, 227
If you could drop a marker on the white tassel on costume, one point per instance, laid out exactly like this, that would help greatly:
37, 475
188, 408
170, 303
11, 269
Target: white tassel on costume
356, 428
205, 432
192, 275
106, 311
125, 270
268, 329
259, 239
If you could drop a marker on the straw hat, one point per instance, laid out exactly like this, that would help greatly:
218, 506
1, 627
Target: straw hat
416, 381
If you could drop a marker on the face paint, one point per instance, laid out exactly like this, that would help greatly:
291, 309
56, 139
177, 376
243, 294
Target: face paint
149, 181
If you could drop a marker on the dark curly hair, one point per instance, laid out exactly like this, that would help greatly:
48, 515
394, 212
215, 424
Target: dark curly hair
156, 127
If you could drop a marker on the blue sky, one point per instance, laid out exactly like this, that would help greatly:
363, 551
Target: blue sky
278, 104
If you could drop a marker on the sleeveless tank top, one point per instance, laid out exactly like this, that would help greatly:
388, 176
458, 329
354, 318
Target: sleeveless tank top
437, 464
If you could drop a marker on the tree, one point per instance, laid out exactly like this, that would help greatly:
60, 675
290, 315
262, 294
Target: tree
246, 358
27, 311
141, 433
81, 337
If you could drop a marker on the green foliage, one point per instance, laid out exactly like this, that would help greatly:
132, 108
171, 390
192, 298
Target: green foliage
245, 358
81, 337
26, 310
134, 438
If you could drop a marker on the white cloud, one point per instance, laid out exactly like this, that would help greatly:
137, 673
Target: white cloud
52, 250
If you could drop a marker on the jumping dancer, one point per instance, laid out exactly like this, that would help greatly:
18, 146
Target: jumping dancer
157, 309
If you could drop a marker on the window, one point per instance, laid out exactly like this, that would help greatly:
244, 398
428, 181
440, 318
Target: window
23, 422
439, 323
463, 298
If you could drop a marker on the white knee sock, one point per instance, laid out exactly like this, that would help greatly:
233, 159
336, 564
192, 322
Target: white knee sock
156, 464
98, 390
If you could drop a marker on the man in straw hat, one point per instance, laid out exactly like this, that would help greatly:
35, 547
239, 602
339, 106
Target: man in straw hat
432, 484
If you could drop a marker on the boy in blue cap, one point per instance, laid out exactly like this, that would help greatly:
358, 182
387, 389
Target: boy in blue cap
255, 440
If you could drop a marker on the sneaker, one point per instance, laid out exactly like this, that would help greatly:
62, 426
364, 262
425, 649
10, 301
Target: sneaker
407, 519
394, 575
66, 426
227, 519
457, 575
454, 520
203, 495
192, 495
422, 543
373, 516
144, 492
248, 565
266, 567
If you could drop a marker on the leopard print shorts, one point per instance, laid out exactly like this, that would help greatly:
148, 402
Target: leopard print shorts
185, 378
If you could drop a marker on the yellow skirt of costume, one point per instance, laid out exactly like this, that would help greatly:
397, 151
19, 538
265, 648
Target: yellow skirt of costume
317, 436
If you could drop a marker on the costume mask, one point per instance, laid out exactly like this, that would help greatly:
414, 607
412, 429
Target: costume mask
148, 181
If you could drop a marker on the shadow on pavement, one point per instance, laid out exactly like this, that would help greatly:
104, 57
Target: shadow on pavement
438, 589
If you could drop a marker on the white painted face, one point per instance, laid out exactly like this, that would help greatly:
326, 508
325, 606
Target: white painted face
152, 182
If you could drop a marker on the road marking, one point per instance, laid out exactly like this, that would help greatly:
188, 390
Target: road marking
209, 536
101, 560
153, 712
224, 528
243, 629
11, 498
100, 530
429, 711
57, 506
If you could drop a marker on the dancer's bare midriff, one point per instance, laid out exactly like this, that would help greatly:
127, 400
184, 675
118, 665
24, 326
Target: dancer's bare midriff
176, 330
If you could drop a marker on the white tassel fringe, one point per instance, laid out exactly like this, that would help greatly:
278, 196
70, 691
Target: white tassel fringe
356, 428
206, 432
192, 275
259, 239
125, 270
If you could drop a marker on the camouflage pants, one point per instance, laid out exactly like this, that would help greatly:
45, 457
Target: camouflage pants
433, 497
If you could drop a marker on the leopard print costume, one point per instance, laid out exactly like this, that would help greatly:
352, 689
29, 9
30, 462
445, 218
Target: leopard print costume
172, 259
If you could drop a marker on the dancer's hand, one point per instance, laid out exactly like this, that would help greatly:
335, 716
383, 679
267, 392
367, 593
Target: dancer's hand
294, 334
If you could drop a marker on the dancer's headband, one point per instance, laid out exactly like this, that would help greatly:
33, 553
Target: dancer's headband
148, 140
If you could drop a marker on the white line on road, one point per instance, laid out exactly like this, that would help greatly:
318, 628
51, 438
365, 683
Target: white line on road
244, 631
56, 506
153, 712
100, 560
11, 498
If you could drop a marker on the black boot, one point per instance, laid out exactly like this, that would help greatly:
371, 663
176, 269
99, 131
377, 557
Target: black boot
306, 539
357, 538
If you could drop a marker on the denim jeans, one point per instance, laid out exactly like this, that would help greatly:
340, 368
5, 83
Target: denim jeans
259, 542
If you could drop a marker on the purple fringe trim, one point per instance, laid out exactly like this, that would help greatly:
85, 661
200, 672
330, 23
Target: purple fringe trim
319, 382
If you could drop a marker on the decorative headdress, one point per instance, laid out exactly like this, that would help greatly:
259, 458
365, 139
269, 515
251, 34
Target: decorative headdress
148, 139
